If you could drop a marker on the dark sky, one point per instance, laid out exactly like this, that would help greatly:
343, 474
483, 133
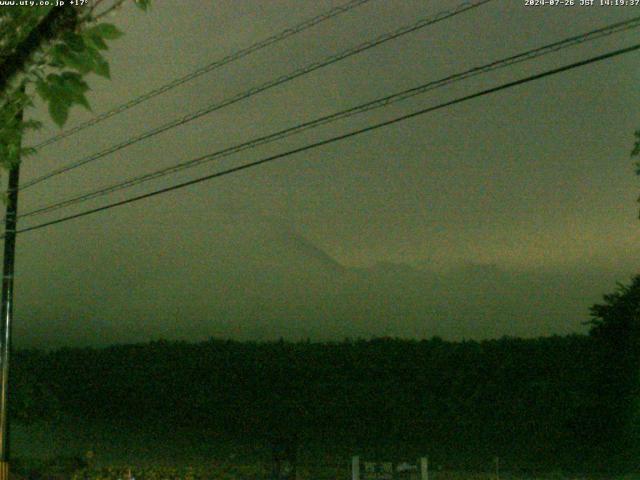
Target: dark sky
509, 214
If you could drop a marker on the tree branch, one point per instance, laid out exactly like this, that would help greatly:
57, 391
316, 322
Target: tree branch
117, 4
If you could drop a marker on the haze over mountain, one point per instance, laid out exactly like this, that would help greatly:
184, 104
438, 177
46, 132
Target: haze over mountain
287, 287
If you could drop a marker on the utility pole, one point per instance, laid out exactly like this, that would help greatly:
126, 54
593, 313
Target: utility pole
58, 20
6, 312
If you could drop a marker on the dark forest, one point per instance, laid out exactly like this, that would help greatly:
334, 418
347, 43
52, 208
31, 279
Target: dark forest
539, 404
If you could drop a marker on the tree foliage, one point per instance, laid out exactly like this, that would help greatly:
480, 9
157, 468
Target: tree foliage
464, 403
56, 72
615, 329
618, 318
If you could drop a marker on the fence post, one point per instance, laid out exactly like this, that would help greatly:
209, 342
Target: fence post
424, 468
355, 468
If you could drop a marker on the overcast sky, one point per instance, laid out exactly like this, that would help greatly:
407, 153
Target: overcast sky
508, 214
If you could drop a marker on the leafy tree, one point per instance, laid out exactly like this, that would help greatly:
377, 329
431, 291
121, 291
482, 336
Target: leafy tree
617, 320
615, 327
48, 51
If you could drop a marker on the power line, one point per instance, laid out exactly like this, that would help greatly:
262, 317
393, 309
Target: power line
345, 136
422, 23
378, 103
206, 69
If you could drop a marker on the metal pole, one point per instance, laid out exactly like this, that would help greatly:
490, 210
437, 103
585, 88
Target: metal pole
7, 313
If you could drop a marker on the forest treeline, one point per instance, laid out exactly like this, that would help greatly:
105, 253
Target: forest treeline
555, 402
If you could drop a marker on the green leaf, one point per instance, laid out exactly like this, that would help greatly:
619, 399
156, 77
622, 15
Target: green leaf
95, 40
73, 77
74, 82
59, 92
74, 41
68, 88
81, 61
106, 31
58, 53
142, 4
100, 65
42, 87
59, 111
82, 100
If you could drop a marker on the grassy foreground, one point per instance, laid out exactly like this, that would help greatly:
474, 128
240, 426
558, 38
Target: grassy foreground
66, 469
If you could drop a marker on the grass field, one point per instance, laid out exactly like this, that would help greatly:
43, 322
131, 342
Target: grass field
261, 471
47, 451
